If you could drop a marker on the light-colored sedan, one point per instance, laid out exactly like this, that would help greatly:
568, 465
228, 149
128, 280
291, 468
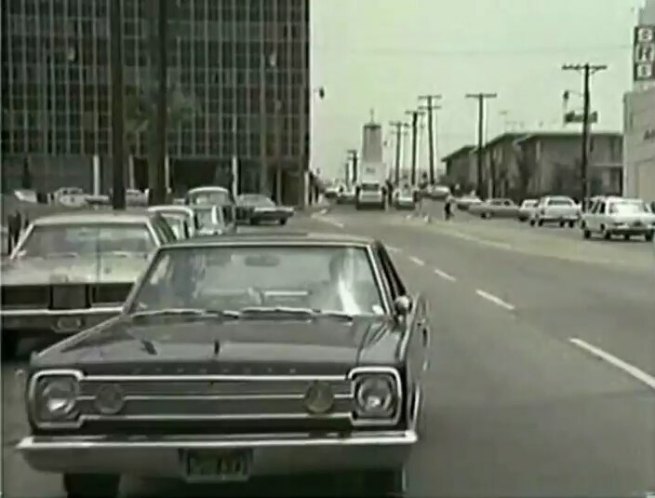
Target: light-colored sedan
495, 208
71, 271
404, 198
182, 219
617, 216
466, 201
556, 209
527, 209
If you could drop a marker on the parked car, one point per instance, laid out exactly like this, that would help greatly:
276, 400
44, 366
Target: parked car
258, 208
438, 192
26, 195
182, 219
71, 197
214, 220
466, 201
527, 209
261, 355
71, 271
404, 198
495, 208
134, 197
556, 209
346, 195
617, 216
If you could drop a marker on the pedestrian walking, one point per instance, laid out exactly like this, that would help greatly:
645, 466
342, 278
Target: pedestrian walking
448, 208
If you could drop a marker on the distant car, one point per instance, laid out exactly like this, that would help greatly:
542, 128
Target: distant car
466, 201
439, 192
346, 195
495, 208
616, 216
331, 192
71, 271
71, 197
182, 219
134, 197
526, 211
209, 195
214, 220
258, 208
404, 198
556, 209
26, 195
237, 358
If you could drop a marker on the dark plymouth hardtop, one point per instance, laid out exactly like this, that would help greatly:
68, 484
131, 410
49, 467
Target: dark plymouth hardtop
229, 394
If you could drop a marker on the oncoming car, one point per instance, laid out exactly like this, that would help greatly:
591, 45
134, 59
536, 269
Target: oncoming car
214, 220
71, 271
261, 355
181, 219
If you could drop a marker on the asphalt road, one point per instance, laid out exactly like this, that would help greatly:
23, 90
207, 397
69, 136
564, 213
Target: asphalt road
542, 379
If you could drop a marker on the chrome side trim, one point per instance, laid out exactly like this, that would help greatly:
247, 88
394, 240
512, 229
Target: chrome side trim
99, 310
201, 417
390, 371
211, 378
215, 397
382, 438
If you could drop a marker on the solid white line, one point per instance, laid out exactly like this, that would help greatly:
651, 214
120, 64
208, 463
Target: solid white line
444, 275
494, 299
631, 370
417, 261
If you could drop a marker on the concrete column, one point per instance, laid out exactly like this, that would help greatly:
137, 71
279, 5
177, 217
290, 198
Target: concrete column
130, 172
97, 175
235, 176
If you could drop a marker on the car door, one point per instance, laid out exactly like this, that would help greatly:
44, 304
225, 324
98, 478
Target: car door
600, 216
416, 341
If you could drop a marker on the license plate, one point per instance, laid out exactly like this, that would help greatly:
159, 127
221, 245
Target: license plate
217, 466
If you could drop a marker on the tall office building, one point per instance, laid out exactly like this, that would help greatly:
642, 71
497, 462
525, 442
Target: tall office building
238, 85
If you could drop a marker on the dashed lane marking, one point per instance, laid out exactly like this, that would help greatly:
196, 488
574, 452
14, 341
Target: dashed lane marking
616, 362
444, 275
393, 249
417, 261
495, 300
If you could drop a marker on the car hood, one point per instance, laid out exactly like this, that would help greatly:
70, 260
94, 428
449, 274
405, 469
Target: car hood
243, 343
45, 271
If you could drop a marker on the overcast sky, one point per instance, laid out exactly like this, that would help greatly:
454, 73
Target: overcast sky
380, 54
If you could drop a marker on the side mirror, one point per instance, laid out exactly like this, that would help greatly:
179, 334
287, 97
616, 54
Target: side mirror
402, 305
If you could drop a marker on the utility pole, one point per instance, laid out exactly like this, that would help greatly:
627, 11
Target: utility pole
430, 106
481, 98
398, 127
415, 115
159, 193
353, 156
117, 111
588, 70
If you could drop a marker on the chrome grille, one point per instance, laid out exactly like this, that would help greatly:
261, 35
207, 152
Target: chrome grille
214, 399
69, 297
110, 293
25, 296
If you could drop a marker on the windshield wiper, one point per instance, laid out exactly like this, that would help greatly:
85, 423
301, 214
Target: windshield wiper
187, 312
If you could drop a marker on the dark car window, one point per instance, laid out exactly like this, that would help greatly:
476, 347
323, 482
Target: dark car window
228, 214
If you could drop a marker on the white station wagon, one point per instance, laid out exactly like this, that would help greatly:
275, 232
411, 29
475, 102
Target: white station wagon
617, 216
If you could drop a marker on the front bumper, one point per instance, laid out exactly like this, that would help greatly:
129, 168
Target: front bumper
271, 454
44, 321
558, 218
631, 230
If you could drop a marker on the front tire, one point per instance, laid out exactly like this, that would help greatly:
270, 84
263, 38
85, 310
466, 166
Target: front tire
540, 223
91, 485
649, 236
283, 221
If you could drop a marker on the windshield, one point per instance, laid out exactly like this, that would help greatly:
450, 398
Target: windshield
560, 202
84, 240
177, 224
232, 278
629, 207
205, 217
214, 197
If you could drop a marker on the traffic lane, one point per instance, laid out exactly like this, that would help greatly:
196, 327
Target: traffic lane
511, 230
512, 411
609, 306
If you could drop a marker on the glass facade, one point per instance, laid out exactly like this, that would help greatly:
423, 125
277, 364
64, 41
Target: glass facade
238, 78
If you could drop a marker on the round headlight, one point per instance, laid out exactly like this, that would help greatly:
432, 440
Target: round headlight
375, 396
109, 399
58, 396
319, 398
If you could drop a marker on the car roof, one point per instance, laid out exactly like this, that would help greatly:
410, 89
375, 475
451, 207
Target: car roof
171, 208
93, 217
276, 237
616, 198
208, 188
